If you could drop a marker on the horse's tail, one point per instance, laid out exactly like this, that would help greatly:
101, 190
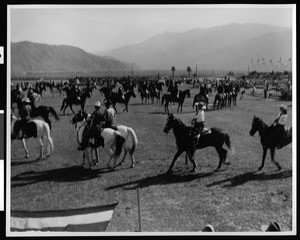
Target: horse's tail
52, 110
48, 135
227, 140
63, 104
134, 140
119, 144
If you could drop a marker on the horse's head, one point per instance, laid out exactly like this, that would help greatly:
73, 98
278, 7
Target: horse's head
79, 117
256, 123
169, 123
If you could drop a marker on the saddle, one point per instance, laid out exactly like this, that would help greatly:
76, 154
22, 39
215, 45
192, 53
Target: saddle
205, 131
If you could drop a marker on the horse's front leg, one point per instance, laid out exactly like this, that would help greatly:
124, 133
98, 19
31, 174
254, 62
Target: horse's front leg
272, 151
190, 154
72, 109
178, 153
25, 148
263, 158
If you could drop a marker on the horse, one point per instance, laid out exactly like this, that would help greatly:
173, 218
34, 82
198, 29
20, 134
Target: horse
44, 112
144, 93
198, 99
124, 99
113, 141
36, 128
220, 98
267, 139
184, 140
126, 132
40, 111
105, 91
234, 97
69, 101
167, 97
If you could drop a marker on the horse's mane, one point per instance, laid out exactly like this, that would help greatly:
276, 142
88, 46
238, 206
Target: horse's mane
181, 124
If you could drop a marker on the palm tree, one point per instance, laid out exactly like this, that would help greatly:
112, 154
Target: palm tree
189, 70
173, 69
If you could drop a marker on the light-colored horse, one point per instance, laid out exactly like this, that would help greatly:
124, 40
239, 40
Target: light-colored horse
130, 144
113, 141
42, 131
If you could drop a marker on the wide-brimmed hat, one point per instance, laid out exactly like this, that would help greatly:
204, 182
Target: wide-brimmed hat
283, 106
98, 104
208, 228
272, 227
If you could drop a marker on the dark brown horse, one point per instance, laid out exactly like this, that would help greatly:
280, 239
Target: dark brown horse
184, 141
167, 97
267, 139
69, 101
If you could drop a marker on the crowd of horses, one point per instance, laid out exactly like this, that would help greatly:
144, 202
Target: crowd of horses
116, 140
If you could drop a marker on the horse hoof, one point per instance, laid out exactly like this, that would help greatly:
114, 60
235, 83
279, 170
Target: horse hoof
169, 172
27, 156
132, 166
227, 163
259, 169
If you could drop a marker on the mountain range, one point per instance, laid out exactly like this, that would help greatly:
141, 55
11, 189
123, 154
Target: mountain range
230, 47
29, 57
227, 47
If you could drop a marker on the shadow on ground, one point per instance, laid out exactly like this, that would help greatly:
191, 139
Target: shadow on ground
251, 176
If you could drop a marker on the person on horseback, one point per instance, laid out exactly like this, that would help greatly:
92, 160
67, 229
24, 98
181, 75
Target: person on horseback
109, 116
75, 90
279, 125
220, 88
25, 117
95, 124
198, 124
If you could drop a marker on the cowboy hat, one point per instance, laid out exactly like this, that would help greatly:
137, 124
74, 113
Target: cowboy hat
283, 106
272, 227
98, 104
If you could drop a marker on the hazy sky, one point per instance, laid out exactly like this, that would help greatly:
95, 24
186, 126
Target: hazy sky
96, 28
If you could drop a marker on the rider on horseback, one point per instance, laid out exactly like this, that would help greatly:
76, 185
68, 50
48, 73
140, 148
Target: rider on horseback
95, 122
198, 123
279, 125
24, 114
109, 116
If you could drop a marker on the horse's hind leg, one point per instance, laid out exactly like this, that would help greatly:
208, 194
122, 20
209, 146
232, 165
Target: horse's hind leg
222, 156
25, 148
272, 151
41, 148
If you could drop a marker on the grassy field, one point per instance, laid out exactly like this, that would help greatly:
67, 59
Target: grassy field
235, 199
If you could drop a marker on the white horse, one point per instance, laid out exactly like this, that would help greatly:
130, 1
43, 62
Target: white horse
113, 141
36, 128
130, 144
